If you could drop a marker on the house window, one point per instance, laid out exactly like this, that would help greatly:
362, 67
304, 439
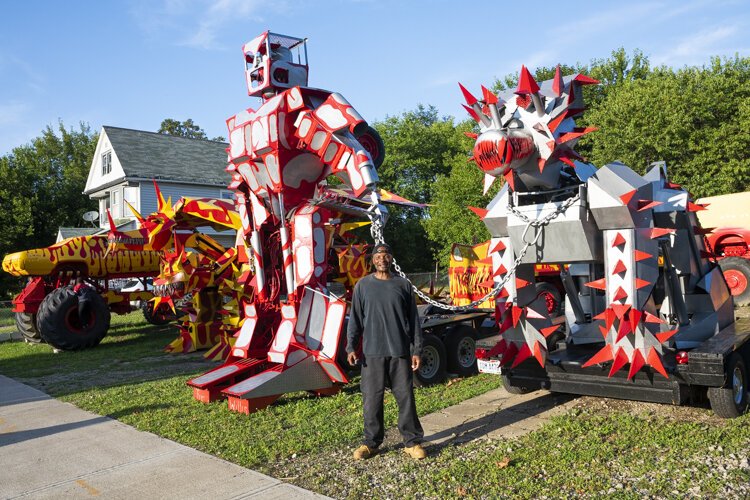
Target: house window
106, 162
129, 194
115, 203
103, 206
226, 194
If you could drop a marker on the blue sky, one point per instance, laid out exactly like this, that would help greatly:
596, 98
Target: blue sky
132, 63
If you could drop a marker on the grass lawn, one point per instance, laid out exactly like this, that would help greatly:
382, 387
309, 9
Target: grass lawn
601, 448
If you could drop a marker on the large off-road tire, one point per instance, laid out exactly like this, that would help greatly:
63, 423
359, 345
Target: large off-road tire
514, 389
460, 346
373, 144
162, 316
732, 400
60, 326
433, 367
736, 271
26, 324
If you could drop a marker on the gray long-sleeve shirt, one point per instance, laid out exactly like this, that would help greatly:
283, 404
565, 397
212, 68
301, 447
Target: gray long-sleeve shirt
384, 315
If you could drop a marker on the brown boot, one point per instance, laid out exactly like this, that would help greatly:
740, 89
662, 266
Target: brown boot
416, 452
363, 452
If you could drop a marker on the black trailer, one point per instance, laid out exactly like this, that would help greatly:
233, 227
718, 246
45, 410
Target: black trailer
718, 369
450, 342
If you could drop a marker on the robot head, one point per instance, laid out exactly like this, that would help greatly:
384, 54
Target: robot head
273, 63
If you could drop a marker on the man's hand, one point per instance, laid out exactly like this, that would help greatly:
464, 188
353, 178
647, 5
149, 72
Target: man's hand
352, 358
416, 362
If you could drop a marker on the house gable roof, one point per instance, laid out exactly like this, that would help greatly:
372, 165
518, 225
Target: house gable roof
150, 155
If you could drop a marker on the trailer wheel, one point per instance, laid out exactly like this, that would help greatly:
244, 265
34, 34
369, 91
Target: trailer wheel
731, 401
432, 369
60, 326
161, 316
551, 296
514, 389
736, 271
460, 345
26, 324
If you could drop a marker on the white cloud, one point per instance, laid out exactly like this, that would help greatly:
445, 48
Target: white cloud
695, 47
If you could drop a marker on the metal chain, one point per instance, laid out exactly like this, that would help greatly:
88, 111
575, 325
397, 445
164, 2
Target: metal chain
376, 230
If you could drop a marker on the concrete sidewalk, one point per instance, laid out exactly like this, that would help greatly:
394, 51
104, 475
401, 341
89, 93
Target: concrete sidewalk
50, 449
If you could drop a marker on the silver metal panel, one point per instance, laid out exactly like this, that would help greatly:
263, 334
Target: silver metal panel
564, 242
216, 374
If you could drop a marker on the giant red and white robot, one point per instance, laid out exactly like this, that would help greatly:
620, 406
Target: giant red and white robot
280, 156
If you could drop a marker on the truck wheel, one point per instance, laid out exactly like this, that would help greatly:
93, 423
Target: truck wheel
26, 324
731, 401
60, 326
514, 389
162, 316
551, 296
460, 344
736, 271
432, 369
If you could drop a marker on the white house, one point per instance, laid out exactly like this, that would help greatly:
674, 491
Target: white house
126, 163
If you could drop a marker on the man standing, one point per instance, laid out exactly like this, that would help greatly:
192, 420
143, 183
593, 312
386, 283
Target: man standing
384, 316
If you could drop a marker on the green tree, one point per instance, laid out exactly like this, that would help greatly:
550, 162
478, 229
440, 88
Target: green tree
419, 148
695, 118
41, 190
187, 129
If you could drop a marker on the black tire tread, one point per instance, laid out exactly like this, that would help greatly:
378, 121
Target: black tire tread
433, 340
26, 324
721, 398
514, 389
452, 340
51, 321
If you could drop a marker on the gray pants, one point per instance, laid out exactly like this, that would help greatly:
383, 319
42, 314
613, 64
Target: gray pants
377, 373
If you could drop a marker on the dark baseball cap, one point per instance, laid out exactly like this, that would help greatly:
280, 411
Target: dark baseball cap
382, 248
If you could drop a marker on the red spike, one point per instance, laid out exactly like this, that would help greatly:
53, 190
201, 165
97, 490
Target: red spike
608, 316
639, 256
470, 99
526, 83
604, 355
523, 354
600, 284
486, 260
601, 316
620, 309
648, 204
481, 212
539, 353
695, 207
498, 348
650, 318
489, 97
604, 331
656, 232
557, 82
509, 353
571, 97
503, 293
541, 163
585, 80
509, 179
577, 132
625, 198
664, 336
550, 330
635, 318
499, 271
620, 294
472, 113
112, 225
639, 283
557, 121
654, 361
620, 360
623, 330
618, 241
619, 267
516, 313
521, 283
635, 364
159, 197
487, 284
471, 135
499, 247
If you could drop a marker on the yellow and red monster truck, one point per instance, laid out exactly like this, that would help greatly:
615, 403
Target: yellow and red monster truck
47, 308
